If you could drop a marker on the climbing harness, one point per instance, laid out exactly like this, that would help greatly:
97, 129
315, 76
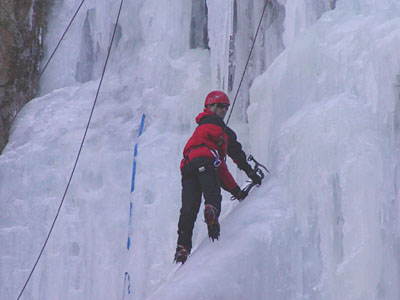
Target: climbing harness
217, 162
79, 152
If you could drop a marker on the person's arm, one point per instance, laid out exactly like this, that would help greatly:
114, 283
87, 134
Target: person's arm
228, 183
235, 151
239, 156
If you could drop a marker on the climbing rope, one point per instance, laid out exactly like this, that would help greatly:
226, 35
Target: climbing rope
61, 39
78, 155
247, 63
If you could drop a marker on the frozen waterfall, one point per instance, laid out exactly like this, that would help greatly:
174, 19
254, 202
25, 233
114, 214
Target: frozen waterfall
319, 106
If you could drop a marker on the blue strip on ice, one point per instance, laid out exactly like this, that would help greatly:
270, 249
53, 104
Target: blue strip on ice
127, 285
128, 244
135, 154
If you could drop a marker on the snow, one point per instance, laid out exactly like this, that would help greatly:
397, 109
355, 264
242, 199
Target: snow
319, 108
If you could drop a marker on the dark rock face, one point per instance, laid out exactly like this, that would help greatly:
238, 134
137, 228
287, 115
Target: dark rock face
22, 26
198, 26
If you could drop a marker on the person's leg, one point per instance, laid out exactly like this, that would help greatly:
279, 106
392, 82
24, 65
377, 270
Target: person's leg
191, 200
210, 186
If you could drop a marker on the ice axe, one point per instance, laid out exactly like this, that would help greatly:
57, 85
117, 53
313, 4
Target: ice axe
259, 172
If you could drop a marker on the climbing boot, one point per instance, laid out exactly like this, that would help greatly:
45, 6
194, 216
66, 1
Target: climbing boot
211, 218
181, 254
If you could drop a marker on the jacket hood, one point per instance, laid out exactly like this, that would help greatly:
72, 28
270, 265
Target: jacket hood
203, 114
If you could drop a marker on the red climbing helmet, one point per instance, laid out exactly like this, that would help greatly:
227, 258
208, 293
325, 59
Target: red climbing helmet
216, 97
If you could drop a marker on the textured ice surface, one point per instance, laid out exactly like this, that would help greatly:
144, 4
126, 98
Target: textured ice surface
324, 116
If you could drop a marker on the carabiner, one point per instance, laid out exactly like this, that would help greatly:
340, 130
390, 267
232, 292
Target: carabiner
217, 162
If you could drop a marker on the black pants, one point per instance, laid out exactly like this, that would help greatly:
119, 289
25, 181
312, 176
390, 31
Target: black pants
198, 177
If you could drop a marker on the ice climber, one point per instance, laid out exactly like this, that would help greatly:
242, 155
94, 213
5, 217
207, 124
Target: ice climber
204, 171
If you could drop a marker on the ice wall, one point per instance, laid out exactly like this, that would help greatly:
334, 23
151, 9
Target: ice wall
232, 28
151, 71
327, 108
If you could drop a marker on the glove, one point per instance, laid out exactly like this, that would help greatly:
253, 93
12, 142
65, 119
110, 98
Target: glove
254, 177
238, 194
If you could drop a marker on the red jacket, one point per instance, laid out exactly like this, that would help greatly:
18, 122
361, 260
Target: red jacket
210, 137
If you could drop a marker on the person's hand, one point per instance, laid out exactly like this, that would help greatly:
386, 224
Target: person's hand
254, 177
239, 194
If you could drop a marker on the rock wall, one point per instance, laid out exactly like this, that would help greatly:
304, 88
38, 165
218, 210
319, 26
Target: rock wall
22, 26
